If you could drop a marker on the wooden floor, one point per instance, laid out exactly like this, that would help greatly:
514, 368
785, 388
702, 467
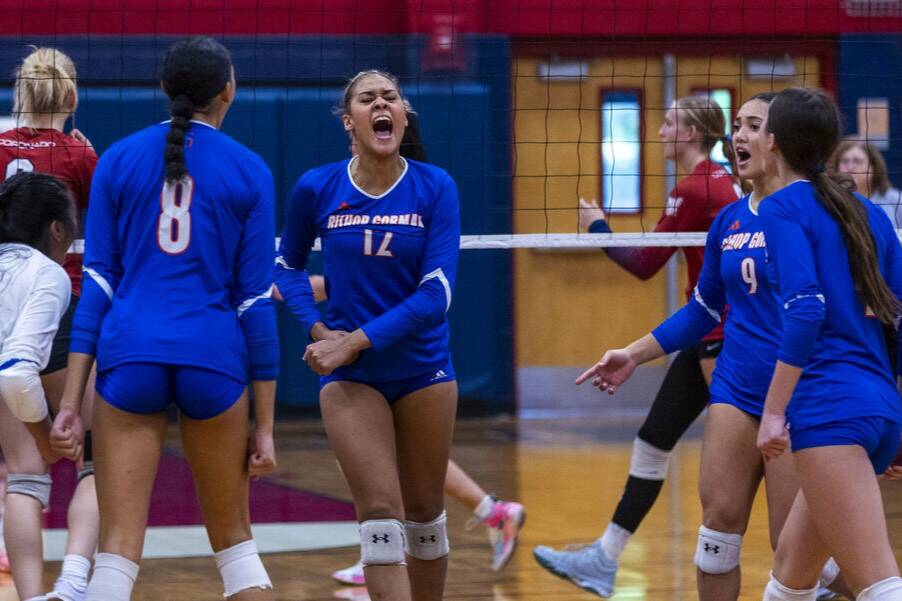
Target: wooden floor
568, 474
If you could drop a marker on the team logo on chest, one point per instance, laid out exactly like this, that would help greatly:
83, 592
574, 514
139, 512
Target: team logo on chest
339, 221
740, 240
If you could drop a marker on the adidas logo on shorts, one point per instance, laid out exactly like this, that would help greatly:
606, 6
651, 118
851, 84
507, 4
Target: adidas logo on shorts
438, 375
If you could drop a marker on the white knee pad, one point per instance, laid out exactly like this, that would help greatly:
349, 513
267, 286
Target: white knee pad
775, 591
648, 461
885, 590
428, 541
241, 568
36, 486
717, 552
382, 543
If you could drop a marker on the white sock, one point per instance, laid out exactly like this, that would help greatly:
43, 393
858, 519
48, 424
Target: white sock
775, 591
829, 573
885, 590
484, 509
113, 579
614, 541
75, 571
241, 568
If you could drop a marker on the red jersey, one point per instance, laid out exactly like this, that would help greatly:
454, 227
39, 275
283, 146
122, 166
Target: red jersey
51, 151
693, 204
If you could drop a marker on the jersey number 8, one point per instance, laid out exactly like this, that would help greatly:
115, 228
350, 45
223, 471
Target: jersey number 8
174, 224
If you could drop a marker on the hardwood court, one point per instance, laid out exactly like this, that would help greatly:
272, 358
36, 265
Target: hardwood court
569, 475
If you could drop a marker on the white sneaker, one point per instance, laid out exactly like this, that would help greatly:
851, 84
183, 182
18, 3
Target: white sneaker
586, 567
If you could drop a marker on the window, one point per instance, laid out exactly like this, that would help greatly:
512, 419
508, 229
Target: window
621, 152
723, 97
873, 121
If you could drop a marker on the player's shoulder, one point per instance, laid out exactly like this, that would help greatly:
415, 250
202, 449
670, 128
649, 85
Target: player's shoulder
135, 142
798, 197
708, 182
45, 271
433, 177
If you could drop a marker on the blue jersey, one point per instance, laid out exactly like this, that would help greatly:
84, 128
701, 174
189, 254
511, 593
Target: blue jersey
389, 263
827, 329
733, 273
180, 274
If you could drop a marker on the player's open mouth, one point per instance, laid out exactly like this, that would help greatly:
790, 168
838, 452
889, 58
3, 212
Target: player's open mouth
742, 157
383, 127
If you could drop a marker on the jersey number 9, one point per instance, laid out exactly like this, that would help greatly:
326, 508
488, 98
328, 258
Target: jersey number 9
174, 224
748, 274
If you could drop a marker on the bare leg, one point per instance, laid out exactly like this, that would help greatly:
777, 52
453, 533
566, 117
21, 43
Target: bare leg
83, 516
731, 469
22, 520
424, 423
462, 488
782, 485
836, 481
127, 450
361, 432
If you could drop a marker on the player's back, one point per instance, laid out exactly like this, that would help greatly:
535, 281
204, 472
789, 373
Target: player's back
177, 247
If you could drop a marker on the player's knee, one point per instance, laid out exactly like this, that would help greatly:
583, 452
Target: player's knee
775, 591
717, 552
36, 486
381, 542
648, 461
427, 540
380, 510
424, 511
241, 568
720, 515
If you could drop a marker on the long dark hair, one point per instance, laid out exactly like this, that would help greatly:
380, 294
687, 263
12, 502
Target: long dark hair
194, 72
29, 203
806, 127
730, 154
412, 142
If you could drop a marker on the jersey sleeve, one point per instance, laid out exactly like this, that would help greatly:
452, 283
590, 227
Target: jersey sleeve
294, 249
703, 311
254, 281
27, 348
427, 306
102, 261
800, 292
643, 262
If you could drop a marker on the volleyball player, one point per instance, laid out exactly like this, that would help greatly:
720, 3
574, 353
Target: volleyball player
45, 97
837, 265
37, 225
176, 308
691, 129
503, 519
390, 232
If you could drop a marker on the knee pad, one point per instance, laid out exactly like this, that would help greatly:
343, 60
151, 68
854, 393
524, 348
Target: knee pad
382, 543
829, 573
241, 568
717, 552
648, 461
889, 589
427, 541
86, 470
36, 486
775, 591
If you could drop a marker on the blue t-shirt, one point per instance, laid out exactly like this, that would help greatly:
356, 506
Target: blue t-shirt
733, 274
827, 329
180, 274
389, 263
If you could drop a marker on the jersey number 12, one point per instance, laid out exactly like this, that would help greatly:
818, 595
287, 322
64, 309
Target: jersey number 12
174, 224
383, 250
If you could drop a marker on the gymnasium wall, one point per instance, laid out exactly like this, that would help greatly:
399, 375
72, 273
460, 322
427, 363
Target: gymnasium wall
283, 112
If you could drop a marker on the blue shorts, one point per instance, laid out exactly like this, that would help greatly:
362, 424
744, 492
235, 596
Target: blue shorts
878, 436
149, 388
752, 409
397, 389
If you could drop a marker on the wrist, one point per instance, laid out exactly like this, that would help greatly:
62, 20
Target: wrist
356, 341
318, 331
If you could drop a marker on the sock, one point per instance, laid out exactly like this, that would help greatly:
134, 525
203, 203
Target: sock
614, 541
889, 589
75, 572
113, 579
241, 568
484, 509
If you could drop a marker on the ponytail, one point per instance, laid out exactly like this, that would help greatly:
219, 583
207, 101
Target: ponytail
181, 110
45, 83
805, 124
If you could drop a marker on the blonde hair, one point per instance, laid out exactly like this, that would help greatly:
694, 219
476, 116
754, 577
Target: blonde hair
706, 116
43, 83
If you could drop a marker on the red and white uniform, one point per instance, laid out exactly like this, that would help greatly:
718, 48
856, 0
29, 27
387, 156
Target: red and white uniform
59, 154
693, 204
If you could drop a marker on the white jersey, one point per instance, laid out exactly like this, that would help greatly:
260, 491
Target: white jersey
34, 294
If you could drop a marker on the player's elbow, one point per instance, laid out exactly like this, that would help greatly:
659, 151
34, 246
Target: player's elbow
23, 393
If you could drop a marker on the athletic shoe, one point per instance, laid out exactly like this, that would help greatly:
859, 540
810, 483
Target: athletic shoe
586, 567
825, 594
352, 575
504, 524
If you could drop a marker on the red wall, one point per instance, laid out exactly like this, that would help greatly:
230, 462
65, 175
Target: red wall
528, 18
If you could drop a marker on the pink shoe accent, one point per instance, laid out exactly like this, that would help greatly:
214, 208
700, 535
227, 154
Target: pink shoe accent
504, 522
352, 575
